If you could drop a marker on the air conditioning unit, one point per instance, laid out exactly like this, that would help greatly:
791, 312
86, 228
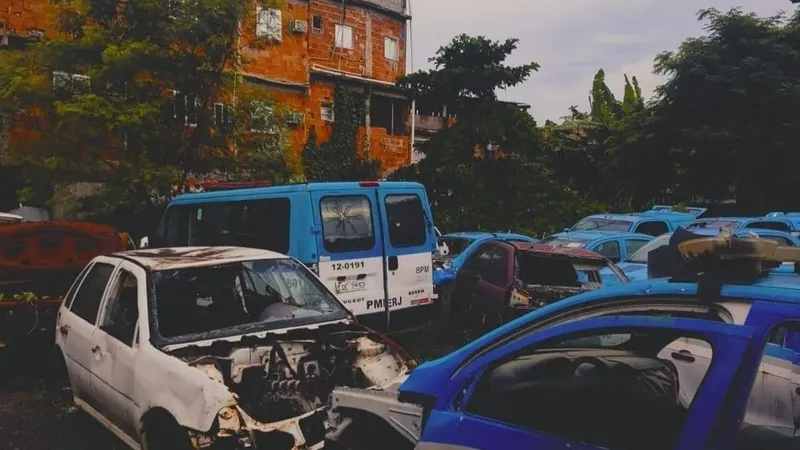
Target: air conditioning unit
298, 26
295, 118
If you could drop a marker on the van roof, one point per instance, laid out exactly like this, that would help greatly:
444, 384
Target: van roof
240, 194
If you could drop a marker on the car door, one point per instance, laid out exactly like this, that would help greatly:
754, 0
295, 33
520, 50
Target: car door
114, 364
349, 243
408, 242
78, 326
493, 283
468, 277
489, 403
78, 376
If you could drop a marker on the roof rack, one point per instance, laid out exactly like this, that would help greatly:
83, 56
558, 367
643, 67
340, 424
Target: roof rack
213, 186
724, 259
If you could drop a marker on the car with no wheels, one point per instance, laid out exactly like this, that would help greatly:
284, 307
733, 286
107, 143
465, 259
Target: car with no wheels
213, 347
708, 358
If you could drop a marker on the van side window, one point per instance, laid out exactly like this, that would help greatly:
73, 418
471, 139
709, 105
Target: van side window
262, 224
347, 223
175, 231
406, 221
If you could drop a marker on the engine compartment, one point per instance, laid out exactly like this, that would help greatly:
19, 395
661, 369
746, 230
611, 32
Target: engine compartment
278, 380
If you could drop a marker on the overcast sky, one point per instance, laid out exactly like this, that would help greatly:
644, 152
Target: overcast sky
571, 39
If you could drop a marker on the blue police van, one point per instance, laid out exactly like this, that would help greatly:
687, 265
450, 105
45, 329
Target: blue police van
370, 242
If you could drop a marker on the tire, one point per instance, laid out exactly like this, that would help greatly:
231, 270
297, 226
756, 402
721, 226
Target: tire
445, 302
162, 432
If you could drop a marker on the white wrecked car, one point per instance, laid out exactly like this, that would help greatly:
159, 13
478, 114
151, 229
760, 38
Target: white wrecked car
214, 347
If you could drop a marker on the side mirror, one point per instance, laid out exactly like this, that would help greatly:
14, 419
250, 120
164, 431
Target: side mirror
144, 242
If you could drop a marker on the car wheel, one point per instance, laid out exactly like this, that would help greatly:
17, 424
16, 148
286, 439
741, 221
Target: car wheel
445, 292
161, 432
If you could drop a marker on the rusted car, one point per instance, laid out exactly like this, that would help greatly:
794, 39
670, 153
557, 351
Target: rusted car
214, 347
502, 280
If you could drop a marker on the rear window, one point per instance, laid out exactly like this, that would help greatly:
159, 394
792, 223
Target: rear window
777, 226
714, 224
262, 224
347, 223
598, 224
564, 242
455, 245
536, 270
406, 221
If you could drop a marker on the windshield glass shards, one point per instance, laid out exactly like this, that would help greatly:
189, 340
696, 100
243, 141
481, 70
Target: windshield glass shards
230, 299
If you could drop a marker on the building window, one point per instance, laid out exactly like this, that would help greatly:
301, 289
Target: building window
269, 24
326, 112
344, 36
386, 112
263, 118
70, 82
185, 107
391, 49
316, 24
223, 114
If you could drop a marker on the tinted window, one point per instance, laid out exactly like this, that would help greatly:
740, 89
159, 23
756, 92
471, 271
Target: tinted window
609, 249
347, 223
777, 226
88, 298
633, 245
641, 255
406, 221
122, 311
497, 270
260, 224
713, 224
653, 228
623, 391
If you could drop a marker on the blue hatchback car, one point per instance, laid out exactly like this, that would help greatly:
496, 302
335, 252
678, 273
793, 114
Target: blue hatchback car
708, 359
614, 246
460, 246
635, 267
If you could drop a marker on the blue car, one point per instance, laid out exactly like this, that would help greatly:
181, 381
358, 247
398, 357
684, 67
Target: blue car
651, 223
792, 217
614, 246
635, 267
459, 246
661, 364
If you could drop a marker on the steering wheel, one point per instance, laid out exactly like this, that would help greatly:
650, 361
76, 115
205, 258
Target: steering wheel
591, 364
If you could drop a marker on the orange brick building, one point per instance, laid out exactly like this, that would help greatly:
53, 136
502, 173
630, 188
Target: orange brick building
315, 45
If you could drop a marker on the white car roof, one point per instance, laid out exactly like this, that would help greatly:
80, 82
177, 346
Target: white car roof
182, 257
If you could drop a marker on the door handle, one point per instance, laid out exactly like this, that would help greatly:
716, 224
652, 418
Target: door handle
96, 349
683, 355
64, 330
393, 263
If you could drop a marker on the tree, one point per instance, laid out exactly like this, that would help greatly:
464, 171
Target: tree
727, 114
338, 158
129, 94
483, 171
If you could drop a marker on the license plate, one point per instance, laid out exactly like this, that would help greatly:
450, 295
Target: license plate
348, 286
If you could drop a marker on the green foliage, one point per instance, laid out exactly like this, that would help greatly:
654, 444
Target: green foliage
338, 158
120, 126
485, 171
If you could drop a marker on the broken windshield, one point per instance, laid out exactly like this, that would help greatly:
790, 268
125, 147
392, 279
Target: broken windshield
204, 302
556, 241
455, 245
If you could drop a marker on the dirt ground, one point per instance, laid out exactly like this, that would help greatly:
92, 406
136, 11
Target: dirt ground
36, 411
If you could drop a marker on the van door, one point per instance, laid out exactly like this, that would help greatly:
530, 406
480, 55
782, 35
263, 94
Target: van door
349, 242
408, 241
